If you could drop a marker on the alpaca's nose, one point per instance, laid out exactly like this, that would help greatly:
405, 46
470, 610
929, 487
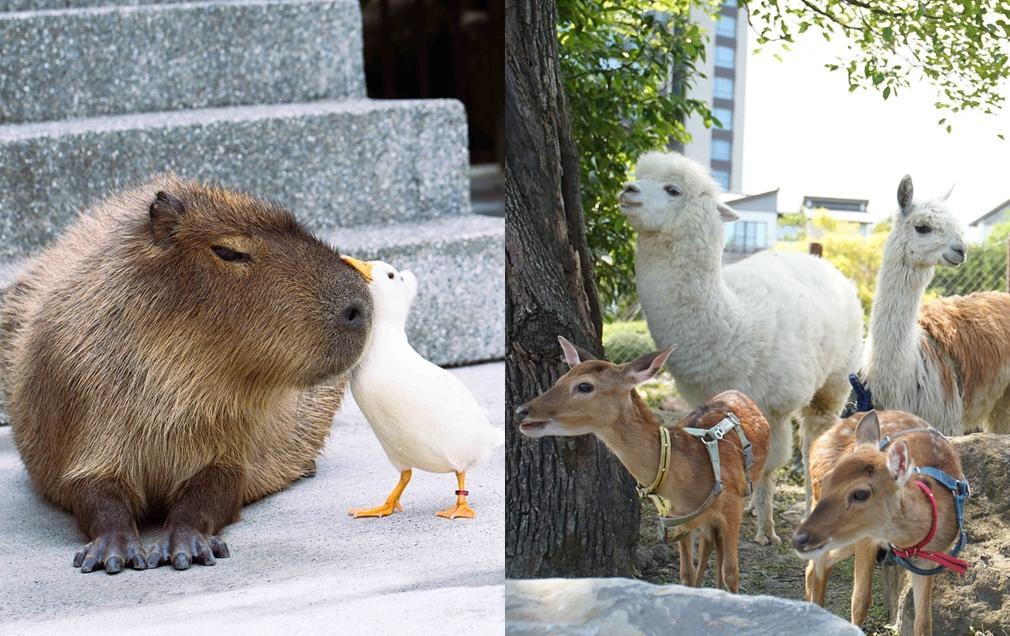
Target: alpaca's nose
631, 187
959, 250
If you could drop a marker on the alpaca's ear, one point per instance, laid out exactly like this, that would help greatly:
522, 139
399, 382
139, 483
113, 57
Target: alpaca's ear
905, 194
868, 429
646, 367
899, 462
574, 354
949, 191
726, 213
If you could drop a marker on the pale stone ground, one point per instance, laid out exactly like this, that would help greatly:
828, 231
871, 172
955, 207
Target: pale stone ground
299, 564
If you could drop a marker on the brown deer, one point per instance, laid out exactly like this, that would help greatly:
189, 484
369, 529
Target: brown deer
598, 397
870, 494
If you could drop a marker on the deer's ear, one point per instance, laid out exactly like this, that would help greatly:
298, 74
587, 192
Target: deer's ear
574, 354
868, 429
899, 462
646, 367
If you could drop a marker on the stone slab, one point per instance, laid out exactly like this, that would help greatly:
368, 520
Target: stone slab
334, 163
298, 565
86, 62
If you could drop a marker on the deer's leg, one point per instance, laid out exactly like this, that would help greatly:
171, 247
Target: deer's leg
705, 544
862, 583
922, 594
686, 561
728, 546
817, 580
818, 416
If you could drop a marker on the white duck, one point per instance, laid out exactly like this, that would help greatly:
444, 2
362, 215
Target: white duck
423, 415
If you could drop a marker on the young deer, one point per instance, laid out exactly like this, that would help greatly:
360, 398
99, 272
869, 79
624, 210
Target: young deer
599, 397
866, 499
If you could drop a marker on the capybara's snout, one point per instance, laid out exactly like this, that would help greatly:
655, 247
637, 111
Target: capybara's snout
348, 314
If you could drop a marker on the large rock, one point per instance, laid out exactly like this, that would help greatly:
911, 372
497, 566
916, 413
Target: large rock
979, 600
615, 607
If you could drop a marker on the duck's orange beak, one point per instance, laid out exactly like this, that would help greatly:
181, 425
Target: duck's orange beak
365, 269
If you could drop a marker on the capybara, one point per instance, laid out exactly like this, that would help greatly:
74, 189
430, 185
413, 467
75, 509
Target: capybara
178, 352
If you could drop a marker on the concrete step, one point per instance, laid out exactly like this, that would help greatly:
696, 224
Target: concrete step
7, 6
334, 163
459, 314
85, 62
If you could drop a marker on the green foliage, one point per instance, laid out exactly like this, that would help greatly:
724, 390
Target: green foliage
960, 47
625, 341
616, 60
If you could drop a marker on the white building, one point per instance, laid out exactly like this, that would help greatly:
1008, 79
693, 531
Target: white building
757, 228
723, 89
987, 221
840, 209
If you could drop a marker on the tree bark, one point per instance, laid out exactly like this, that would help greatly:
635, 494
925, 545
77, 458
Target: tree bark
571, 506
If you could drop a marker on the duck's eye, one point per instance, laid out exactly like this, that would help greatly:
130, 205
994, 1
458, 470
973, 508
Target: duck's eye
860, 495
923, 229
391, 275
584, 387
672, 190
230, 255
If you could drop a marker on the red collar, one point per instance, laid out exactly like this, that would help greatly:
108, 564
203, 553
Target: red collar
944, 559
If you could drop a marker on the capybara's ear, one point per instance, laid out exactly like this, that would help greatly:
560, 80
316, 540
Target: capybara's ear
165, 213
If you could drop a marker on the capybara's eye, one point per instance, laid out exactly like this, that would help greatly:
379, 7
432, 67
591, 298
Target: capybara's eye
860, 495
391, 275
229, 255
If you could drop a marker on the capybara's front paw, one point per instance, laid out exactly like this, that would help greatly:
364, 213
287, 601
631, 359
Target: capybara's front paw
112, 551
182, 545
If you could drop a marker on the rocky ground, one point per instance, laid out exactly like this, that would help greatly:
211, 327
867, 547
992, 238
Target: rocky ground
771, 569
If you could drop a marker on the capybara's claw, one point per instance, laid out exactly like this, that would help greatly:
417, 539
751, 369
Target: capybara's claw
111, 551
183, 546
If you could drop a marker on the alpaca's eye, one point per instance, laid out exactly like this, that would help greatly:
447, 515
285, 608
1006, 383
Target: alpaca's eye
391, 275
672, 190
584, 387
860, 495
923, 229
231, 256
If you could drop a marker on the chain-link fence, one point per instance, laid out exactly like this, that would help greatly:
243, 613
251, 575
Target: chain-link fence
985, 270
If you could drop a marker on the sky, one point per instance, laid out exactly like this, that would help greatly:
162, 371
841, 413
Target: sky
805, 133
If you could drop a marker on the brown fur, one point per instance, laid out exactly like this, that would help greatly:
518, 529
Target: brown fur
842, 462
974, 332
617, 415
135, 356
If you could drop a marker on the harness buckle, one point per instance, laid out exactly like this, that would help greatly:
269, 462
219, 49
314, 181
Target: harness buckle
964, 488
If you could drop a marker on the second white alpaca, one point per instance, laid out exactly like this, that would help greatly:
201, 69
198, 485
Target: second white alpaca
950, 362
785, 329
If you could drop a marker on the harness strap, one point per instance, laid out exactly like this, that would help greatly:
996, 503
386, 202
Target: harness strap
960, 490
710, 437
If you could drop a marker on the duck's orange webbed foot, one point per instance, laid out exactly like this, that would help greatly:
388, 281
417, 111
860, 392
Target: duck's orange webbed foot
462, 508
392, 502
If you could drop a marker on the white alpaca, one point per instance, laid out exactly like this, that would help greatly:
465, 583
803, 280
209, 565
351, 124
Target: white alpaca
950, 362
786, 329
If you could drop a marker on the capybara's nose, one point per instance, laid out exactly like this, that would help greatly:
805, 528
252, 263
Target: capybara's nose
522, 412
800, 540
354, 316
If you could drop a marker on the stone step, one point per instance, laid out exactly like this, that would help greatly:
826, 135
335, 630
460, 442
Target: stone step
334, 163
91, 61
7, 6
459, 314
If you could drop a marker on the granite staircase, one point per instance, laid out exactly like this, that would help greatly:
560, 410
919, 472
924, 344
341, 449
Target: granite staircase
267, 96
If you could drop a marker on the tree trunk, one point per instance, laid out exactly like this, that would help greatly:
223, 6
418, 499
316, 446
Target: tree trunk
571, 507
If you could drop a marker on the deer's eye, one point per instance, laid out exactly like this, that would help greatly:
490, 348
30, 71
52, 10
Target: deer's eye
671, 190
923, 229
584, 387
230, 255
860, 495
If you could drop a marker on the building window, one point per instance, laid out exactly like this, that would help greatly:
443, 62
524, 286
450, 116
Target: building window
725, 56
726, 26
725, 117
722, 178
721, 150
723, 87
748, 236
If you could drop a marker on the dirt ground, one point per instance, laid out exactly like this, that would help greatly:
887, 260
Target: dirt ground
773, 569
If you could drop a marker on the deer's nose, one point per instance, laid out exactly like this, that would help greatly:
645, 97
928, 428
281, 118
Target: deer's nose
631, 187
800, 540
522, 413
